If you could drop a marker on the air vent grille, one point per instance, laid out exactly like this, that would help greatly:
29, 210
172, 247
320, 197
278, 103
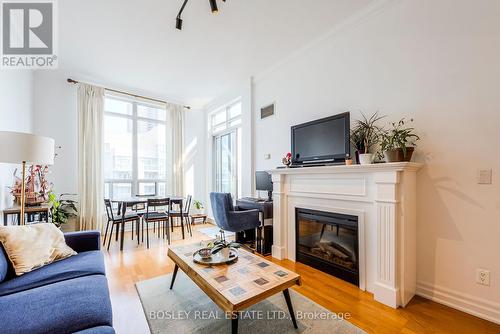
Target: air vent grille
267, 111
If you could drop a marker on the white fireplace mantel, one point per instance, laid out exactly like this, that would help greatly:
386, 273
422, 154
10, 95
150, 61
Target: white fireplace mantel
383, 196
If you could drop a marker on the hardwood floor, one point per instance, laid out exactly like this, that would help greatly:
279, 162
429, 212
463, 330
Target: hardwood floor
136, 263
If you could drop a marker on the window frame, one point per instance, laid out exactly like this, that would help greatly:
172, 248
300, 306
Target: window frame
228, 129
135, 118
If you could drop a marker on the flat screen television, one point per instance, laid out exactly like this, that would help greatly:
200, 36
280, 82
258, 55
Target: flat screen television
322, 141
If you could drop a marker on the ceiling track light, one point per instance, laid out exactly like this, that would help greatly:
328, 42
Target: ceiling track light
178, 19
213, 6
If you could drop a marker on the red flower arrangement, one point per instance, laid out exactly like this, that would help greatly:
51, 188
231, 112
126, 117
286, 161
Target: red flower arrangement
287, 159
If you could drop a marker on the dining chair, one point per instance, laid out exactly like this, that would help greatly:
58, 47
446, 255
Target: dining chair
183, 214
120, 218
154, 216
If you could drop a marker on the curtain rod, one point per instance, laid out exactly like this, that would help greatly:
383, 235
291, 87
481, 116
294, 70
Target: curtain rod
126, 93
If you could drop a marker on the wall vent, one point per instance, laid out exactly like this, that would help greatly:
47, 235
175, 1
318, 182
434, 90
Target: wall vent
267, 111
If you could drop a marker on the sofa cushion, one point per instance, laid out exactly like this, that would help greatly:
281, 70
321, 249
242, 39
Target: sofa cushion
97, 330
82, 264
64, 307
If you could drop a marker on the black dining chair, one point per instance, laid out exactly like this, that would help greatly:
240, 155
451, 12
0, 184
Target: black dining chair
183, 214
120, 218
154, 216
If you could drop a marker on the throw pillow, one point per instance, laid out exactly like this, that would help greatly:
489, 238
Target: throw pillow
34, 246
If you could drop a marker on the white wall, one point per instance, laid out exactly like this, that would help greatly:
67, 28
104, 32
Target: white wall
195, 163
16, 114
56, 117
436, 62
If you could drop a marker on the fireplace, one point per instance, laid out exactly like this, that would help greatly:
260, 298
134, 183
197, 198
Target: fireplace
328, 242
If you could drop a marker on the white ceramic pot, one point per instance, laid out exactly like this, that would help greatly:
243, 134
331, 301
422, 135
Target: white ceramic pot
366, 158
225, 252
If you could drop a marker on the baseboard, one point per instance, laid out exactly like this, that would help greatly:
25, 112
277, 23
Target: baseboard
463, 302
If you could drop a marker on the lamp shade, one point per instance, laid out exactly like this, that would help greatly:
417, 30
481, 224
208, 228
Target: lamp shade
16, 147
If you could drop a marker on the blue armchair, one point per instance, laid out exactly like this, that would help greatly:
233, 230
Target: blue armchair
229, 218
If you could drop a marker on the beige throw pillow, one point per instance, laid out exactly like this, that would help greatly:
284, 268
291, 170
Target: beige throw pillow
32, 247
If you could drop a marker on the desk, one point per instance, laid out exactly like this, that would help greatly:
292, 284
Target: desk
43, 210
265, 208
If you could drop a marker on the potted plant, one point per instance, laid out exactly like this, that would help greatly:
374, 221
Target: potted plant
222, 245
364, 136
62, 209
398, 143
198, 206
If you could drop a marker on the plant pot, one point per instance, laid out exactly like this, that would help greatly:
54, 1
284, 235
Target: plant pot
365, 158
225, 252
397, 155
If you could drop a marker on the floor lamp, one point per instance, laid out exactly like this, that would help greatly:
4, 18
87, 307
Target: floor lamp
25, 148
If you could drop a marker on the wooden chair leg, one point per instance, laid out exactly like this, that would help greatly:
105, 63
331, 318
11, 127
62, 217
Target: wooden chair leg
182, 227
132, 230
168, 230
106, 234
138, 222
111, 234
147, 234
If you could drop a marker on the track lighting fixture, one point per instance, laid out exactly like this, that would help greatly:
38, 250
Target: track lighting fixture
178, 23
213, 6
178, 19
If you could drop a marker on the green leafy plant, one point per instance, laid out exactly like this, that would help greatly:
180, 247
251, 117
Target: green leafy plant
219, 245
366, 132
62, 209
198, 205
399, 137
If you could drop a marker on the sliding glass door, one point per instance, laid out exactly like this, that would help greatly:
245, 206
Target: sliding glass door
226, 162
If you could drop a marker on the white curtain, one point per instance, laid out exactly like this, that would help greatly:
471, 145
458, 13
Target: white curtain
90, 143
177, 130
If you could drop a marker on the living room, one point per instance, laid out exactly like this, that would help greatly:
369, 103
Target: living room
234, 166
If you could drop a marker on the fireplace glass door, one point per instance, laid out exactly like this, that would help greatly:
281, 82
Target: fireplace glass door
329, 242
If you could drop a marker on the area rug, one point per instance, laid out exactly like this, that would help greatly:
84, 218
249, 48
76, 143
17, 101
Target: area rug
213, 231
186, 309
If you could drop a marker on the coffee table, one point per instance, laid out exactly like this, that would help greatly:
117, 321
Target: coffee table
235, 287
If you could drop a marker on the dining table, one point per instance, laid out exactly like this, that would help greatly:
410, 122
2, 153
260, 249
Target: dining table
125, 202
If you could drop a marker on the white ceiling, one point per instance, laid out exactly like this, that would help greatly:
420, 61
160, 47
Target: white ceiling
134, 43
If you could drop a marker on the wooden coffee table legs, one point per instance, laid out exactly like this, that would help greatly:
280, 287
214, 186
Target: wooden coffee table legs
234, 317
176, 269
286, 293
234, 323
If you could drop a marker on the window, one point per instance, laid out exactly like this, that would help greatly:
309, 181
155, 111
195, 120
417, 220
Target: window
225, 126
135, 148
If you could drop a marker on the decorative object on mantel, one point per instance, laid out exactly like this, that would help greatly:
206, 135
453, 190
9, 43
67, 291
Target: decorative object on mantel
398, 143
37, 186
287, 159
364, 136
23, 148
62, 209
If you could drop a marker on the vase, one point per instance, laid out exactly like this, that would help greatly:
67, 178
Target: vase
225, 252
366, 158
397, 155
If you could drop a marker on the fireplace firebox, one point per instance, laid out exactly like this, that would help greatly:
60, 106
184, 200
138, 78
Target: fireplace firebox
328, 242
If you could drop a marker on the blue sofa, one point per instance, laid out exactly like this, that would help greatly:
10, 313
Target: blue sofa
68, 296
